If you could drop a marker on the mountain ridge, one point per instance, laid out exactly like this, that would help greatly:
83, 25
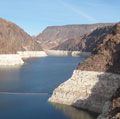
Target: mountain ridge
13, 39
53, 37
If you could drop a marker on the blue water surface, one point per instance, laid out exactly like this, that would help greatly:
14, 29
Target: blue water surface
24, 90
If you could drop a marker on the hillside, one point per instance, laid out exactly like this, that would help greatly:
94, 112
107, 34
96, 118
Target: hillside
86, 42
68, 37
107, 54
95, 80
13, 39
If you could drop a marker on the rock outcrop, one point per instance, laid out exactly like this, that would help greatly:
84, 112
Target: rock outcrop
106, 57
95, 80
13, 39
68, 37
87, 89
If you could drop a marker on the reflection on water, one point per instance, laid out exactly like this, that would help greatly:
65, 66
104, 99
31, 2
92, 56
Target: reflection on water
74, 113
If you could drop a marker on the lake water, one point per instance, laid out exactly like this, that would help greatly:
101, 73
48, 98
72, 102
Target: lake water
24, 90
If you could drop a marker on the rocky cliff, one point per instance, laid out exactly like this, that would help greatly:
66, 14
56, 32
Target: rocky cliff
106, 56
68, 37
95, 80
13, 39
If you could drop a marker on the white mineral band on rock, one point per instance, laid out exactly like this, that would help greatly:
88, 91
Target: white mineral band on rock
66, 53
87, 90
10, 60
29, 54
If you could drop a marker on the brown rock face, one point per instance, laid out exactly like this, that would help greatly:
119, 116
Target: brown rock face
69, 37
106, 57
87, 42
13, 39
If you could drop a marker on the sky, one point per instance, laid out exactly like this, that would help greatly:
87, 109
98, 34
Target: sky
35, 15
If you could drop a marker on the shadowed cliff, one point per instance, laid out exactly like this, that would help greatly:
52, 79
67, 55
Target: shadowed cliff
105, 58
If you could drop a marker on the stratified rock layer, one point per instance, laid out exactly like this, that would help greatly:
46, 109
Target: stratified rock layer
29, 54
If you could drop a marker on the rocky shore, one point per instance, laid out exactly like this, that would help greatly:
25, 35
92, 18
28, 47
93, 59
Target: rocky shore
29, 54
10, 60
67, 53
17, 59
87, 89
96, 80
13, 59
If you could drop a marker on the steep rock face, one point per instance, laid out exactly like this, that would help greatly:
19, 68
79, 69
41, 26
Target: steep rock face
13, 39
65, 37
96, 79
106, 57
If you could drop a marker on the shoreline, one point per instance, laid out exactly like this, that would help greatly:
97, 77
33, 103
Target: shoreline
30, 54
10, 60
67, 53
17, 59
90, 90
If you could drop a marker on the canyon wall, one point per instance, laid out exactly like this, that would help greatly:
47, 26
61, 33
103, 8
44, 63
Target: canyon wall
95, 80
70, 37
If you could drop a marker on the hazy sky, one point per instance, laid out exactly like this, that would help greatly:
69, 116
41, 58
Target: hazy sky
35, 15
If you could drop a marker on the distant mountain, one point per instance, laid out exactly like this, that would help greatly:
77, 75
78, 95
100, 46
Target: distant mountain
86, 42
13, 39
68, 37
